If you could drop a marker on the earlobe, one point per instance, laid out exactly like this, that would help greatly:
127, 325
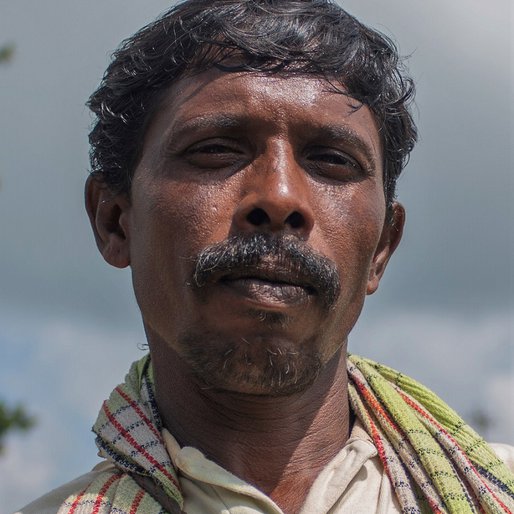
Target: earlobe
389, 241
108, 214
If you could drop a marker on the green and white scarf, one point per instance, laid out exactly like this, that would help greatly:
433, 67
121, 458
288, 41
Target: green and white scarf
434, 460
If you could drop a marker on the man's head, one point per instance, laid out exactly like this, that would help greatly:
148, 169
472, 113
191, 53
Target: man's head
244, 162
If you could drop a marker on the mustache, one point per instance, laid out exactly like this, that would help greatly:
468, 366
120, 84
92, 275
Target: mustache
283, 258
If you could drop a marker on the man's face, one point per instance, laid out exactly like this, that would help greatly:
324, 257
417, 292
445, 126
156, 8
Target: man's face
232, 163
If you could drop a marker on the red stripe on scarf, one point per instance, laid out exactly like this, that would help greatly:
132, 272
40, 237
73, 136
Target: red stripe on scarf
75, 504
364, 390
136, 446
378, 443
137, 501
141, 414
439, 427
103, 490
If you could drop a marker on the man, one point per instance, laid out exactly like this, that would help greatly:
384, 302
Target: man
244, 158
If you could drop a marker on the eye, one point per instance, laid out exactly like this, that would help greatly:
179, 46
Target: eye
334, 163
211, 149
214, 154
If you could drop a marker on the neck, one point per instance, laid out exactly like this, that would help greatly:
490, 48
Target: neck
278, 444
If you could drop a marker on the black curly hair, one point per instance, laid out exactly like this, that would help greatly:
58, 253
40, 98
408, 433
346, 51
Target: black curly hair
314, 37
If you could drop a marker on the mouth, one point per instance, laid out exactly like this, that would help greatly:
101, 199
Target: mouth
273, 287
266, 269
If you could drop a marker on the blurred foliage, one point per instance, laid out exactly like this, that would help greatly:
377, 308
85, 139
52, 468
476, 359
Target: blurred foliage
13, 419
6, 53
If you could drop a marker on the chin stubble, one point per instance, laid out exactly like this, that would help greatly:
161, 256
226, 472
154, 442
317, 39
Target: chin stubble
262, 368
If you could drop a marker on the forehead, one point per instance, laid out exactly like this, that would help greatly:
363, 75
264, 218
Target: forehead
286, 104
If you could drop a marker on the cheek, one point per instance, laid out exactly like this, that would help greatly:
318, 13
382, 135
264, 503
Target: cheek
172, 222
176, 215
351, 223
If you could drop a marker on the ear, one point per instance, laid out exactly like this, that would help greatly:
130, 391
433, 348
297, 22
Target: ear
109, 216
389, 240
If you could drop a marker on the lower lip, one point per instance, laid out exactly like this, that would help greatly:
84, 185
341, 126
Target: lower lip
270, 293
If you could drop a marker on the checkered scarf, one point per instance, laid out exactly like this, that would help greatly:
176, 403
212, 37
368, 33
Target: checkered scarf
436, 463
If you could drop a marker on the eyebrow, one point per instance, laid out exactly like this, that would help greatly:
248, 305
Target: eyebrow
216, 121
181, 128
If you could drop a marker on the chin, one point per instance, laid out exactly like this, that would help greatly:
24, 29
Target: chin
258, 366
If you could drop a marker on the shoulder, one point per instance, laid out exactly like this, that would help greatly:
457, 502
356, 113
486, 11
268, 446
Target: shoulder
52, 501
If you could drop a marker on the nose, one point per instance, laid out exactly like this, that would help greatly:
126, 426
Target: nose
275, 199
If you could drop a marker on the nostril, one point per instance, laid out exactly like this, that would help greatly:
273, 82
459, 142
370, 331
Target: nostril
295, 220
258, 217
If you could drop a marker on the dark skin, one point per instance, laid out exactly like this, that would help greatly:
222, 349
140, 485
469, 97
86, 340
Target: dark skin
222, 150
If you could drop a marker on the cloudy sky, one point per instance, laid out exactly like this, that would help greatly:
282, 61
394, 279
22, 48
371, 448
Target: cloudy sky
68, 324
